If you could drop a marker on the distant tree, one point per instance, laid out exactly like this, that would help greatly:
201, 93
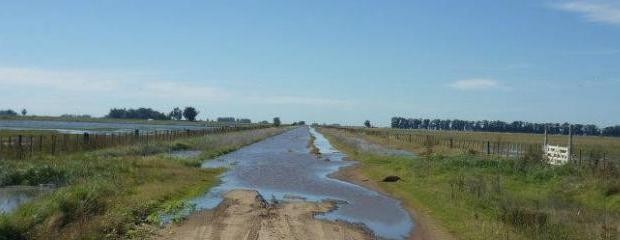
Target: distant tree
226, 119
176, 114
190, 113
24, 112
244, 120
140, 113
8, 112
117, 113
367, 123
276, 121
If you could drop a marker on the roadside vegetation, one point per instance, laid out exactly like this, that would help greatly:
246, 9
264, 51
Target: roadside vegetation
115, 193
479, 197
597, 145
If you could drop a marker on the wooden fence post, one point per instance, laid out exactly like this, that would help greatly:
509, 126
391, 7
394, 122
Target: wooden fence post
19, 146
31, 145
488, 147
53, 144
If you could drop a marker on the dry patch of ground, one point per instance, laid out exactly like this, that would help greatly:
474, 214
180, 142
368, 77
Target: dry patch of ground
244, 214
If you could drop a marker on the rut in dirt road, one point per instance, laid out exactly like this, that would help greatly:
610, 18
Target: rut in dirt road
244, 214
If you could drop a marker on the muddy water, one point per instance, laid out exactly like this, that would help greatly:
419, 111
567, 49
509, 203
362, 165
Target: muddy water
13, 197
281, 167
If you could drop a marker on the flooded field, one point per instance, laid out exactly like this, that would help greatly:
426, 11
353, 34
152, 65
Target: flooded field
81, 127
281, 168
14, 196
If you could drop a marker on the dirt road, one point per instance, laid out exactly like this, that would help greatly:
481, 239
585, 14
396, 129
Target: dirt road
244, 214
282, 167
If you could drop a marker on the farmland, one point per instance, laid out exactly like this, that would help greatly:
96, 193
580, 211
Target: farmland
490, 196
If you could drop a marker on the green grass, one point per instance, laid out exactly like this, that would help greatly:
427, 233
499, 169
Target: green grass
494, 198
610, 145
114, 193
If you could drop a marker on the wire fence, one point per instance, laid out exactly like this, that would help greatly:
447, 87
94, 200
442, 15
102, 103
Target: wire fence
26, 146
595, 158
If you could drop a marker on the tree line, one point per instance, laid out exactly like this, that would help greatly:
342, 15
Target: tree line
11, 112
233, 120
501, 126
189, 113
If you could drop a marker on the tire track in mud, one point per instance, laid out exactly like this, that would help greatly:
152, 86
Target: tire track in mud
245, 215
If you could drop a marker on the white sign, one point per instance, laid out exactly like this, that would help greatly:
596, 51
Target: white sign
556, 155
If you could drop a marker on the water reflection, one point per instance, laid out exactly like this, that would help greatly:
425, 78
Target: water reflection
13, 197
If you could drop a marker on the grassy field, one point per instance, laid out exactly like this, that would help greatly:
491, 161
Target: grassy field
609, 145
115, 193
478, 197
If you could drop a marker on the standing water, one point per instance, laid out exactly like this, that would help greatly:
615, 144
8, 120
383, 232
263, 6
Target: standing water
13, 197
282, 166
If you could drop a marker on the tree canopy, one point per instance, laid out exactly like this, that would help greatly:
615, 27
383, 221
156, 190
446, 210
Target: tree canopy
276, 121
176, 114
190, 113
140, 113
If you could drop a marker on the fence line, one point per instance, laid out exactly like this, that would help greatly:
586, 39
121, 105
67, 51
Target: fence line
487, 147
25, 146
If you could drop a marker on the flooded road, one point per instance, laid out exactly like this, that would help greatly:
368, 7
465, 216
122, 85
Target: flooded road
282, 168
15, 196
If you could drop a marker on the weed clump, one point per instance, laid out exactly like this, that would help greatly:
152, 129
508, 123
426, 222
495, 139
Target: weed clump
31, 174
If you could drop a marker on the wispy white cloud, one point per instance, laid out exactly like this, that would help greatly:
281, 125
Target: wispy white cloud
602, 11
111, 83
132, 88
475, 84
56, 80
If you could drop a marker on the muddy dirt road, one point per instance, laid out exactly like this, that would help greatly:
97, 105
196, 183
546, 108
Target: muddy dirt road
244, 214
302, 201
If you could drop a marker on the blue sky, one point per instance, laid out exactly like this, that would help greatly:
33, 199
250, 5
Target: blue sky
319, 61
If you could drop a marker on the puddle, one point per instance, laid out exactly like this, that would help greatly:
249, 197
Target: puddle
325, 148
185, 153
14, 196
282, 166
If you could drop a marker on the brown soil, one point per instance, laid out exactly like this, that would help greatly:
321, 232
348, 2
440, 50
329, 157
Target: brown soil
245, 214
426, 228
